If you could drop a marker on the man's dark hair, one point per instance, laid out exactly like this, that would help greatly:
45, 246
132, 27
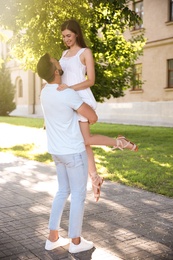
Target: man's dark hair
45, 68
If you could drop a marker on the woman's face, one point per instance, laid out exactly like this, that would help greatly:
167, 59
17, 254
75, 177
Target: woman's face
69, 38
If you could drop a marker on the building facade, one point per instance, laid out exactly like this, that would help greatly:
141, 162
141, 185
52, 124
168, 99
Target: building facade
27, 84
151, 104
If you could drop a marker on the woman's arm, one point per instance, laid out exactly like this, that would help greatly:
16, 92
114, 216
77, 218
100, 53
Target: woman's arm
88, 60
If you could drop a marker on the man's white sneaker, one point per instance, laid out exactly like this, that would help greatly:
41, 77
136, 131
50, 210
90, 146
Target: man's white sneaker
60, 242
83, 246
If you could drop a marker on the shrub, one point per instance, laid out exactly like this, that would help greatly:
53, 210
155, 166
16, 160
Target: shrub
7, 92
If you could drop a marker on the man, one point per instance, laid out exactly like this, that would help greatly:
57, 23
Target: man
66, 145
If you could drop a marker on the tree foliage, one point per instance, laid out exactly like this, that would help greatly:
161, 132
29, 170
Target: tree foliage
36, 27
115, 54
7, 92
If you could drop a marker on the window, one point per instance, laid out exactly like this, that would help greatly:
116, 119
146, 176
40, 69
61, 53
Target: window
138, 8
20, 87
170, 73
137, 77
171, 10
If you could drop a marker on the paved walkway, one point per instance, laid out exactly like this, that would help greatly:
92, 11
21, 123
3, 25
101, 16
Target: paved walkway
127, 223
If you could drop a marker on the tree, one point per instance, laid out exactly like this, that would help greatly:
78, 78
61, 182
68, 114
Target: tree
115, 54
36, 26
7, 92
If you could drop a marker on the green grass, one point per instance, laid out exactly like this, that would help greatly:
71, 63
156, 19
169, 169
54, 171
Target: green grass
151, 168
23, 121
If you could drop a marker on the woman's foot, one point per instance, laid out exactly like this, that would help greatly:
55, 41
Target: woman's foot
96, 185
123, 143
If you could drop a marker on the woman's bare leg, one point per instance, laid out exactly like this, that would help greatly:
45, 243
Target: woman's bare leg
90, 139
92, 171
102, 140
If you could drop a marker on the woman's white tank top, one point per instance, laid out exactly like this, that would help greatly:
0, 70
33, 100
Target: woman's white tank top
74, 73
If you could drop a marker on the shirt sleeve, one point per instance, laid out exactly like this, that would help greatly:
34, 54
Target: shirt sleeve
74, 100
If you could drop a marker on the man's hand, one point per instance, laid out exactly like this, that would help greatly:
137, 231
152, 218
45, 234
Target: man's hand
62, 87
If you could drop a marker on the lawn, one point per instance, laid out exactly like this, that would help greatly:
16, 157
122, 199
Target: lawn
151, 168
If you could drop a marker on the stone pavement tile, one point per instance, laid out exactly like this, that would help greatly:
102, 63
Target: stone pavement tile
58, 254
167, 256
94, 254
86, 255
126, 224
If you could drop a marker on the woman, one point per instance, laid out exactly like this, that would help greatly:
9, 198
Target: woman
79, 74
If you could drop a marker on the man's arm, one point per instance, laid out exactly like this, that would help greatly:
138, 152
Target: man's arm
86, 111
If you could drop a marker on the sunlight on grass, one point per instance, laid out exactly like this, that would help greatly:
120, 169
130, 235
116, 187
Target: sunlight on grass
122, 179
167, 165
29, 151
151, 168
22, 121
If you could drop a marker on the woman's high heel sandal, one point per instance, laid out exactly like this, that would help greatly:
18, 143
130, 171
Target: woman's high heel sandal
96, 185
123, 143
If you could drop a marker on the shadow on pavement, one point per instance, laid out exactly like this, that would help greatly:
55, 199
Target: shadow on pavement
127, 223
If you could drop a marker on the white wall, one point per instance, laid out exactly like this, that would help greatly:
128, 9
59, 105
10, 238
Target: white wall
137, 113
